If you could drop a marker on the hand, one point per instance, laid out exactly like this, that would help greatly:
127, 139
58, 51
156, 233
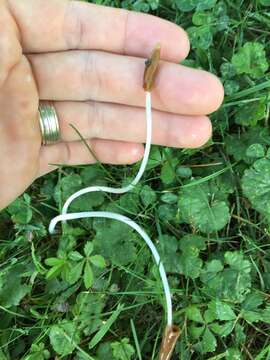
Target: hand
89, 60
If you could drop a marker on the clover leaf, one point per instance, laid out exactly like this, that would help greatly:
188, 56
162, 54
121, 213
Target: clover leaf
188, 5
231, 282
116, 243
64, 337
251, 60
122, 350
202, 207
256, 186
250, 114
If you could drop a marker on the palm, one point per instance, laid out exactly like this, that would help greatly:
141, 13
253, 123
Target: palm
95, 81
19, 134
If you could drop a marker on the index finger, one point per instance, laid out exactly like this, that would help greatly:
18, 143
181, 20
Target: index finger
57, 25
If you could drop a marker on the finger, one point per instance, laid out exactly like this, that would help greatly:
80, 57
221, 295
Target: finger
10, 48
83, 75
125, 123
62, 25
75, 153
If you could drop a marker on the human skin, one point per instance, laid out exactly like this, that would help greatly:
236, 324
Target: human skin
89, 60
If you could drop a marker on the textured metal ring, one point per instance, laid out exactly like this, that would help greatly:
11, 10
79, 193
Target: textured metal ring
49, 124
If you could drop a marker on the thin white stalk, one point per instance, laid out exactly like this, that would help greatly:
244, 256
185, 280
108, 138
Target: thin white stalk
109, 215
135, 226
139, 174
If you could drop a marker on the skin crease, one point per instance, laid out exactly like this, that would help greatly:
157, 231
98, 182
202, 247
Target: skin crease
49, 51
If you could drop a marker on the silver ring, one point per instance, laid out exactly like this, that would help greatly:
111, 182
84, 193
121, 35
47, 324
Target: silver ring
49, 124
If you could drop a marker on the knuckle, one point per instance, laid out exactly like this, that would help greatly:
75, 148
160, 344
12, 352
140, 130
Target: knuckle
91, 75
96, 120
73, 28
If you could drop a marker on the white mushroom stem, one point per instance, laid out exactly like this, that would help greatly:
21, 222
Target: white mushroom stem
109, 215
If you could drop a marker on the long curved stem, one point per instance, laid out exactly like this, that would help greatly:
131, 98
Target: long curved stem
109, 215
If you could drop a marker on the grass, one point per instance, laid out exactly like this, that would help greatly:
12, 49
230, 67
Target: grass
207, 209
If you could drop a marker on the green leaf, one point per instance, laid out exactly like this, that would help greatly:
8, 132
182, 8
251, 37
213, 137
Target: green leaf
214, 266
256, 186
255, 151
250, 114
193, 313
122, 350
168, 246
251, 316
148, 195
98, 261
169, 198
167, 174
233, 354
13, 293
88, 248
251, 60
202, 18
12, 290
64, 337
54, 261
187, 5
233, 282
104, 351
54, 271
75, 272
106, 327
237, 145
71, 183
222, 310
88, 276
192, 244
222, 330
75, 256
184, 172
116, 243
253, 301
20, 210
202, 208
58, 267
66, 186
237, 262
240, 336
209, 342
195, 331
190, 264
88, 310
201, 37
265, 314
37, 352
209, 316
167, 212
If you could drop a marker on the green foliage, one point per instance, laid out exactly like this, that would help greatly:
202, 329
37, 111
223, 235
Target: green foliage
64, 337
72, 295
72, 267
20, 210
251, 60
38, 352
122, 350
250, 114
116, 242
256, 186
203, 207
